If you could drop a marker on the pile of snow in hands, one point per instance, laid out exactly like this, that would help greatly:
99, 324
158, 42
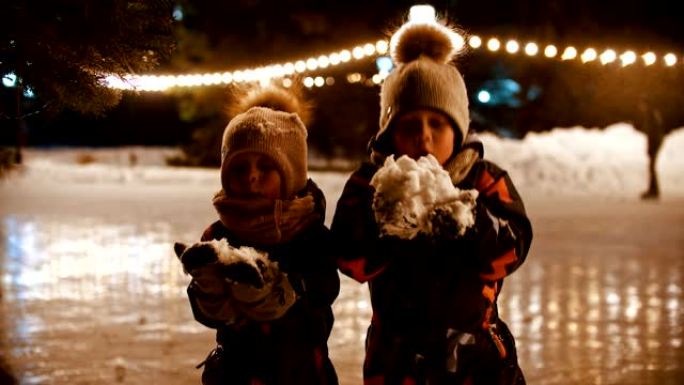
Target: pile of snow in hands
418, 197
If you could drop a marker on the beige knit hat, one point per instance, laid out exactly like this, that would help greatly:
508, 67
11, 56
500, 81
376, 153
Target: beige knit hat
424, 78
270, 125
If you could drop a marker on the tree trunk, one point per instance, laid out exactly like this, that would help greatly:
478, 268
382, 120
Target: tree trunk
19, 123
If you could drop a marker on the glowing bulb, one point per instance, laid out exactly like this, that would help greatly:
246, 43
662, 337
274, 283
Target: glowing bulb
311, 64
550, 51
287, 83
569, 53
670, 59
512, 46
484, 96
377, 79
628, 58
608, 56
308, 82
300, 66
531, 49
649, 58
345, 56
288, 68
354, 77
493, 44
9, 80
381, 46
334, 59
319, 81
323, 62
588, 55
357, 52
384, 63
475, 41
422, 14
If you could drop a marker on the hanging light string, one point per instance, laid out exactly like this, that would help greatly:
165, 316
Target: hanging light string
417, 14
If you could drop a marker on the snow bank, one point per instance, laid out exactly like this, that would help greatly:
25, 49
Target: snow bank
610, 162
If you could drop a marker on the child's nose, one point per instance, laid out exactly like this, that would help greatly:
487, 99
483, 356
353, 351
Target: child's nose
425, 137
253, 176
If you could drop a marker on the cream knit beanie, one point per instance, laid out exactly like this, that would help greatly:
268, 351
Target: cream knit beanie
269, 125
423, 78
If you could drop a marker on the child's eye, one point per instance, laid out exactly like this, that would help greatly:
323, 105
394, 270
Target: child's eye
439, 123
266, 165
410, 126
240, 168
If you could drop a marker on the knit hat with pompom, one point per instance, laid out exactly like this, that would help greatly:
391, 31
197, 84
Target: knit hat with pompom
269, 121
424, 78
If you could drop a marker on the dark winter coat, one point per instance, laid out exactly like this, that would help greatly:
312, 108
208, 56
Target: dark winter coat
291, 349
434, 300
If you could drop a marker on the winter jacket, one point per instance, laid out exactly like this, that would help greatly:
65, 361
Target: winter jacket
291, 349
434, 300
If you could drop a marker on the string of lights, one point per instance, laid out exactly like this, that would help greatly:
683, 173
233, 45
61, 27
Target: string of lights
417, 14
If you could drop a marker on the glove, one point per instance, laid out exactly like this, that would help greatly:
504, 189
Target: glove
241, 272
268, 303
201, 262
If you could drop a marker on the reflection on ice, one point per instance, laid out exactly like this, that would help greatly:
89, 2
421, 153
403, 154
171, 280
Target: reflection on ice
87, 298
85, 260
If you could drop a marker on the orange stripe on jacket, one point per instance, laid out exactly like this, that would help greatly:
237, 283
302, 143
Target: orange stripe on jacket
499, 266
489, 186
356, 268
489, 292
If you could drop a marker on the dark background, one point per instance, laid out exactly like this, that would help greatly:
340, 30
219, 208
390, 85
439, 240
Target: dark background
227, 35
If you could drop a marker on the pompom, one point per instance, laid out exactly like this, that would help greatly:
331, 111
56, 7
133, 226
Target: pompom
273, 97
436, 41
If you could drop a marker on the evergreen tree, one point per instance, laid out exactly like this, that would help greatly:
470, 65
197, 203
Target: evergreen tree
61, 51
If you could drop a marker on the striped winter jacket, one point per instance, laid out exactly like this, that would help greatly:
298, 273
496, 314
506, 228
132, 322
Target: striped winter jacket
431, 295
292, 349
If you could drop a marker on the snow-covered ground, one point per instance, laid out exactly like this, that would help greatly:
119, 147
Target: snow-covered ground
610, 162
91, 292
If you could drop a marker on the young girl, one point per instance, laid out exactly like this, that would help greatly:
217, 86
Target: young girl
434, 297
268, 203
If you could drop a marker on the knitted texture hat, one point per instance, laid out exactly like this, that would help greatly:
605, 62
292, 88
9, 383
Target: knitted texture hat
424, 78
269, 125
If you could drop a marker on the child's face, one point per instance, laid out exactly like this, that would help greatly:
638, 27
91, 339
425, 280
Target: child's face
423, 131
254, 174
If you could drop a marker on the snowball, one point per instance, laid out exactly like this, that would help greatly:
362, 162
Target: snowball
229, 255
413, 197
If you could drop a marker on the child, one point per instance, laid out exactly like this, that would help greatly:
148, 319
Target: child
435, 318
267, 202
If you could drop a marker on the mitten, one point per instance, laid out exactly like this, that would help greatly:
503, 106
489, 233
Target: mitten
270, 302
241, 272
201, 262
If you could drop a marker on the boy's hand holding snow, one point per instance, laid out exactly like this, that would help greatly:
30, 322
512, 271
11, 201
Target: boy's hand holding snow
418, 197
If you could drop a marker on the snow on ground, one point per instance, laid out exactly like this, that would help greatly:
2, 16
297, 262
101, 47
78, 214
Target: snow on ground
610, 162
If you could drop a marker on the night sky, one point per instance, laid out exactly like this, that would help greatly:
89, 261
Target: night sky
248, 33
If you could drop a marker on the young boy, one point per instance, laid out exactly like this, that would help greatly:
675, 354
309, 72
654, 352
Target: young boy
434, 298
268, 203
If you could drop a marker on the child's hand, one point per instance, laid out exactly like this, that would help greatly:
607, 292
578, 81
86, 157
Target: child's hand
196, 255
209, 279
241, 272
267, 303
201, 262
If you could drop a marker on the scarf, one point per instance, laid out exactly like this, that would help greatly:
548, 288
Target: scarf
264, 221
